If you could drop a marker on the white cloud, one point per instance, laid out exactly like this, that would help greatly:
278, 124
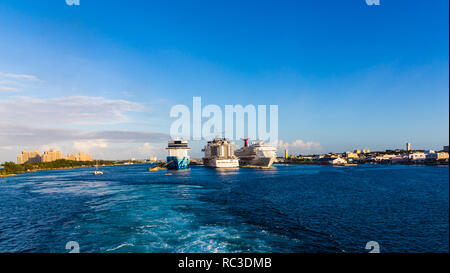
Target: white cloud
5, 89
110, 144
67, 110
10, 82
48, 123
55, 147
88, 145
7, 82
147, 147
129, 150
20, 76
22, 135
300, 147
146, 150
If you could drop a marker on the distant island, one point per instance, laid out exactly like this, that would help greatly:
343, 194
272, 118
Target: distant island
11, 168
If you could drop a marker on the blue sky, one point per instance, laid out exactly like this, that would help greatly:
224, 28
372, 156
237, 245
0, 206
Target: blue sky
344, 74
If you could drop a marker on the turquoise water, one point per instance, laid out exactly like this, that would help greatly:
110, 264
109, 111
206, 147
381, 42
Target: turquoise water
287, 209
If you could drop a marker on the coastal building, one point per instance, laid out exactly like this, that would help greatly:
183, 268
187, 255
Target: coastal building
366, 151
84, 157
153, 159
338, 161
382, 157
72, 157
332, 160
408, 146
398, 159
386, 158
390, 158
317, 157
51, 156
417, 156
79, 157
357, 151
437, 156
29, 157
286, 154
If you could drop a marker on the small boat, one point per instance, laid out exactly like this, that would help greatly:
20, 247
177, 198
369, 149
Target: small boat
97, 171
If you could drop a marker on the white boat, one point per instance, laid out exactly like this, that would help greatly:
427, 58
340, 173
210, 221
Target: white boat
219, 153
258, 154
97, 171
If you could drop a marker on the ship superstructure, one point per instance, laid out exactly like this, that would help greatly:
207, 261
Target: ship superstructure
219, 153
177, 157
259, 154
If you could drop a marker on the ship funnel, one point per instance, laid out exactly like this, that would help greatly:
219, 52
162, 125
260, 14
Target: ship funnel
245, 141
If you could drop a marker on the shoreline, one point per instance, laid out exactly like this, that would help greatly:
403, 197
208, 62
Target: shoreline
7, 175
358, 164
249, 167
39, 170
66, 168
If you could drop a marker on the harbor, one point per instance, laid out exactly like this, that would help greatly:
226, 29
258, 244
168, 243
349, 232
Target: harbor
233, 199
248, 128
221, 153
293, 208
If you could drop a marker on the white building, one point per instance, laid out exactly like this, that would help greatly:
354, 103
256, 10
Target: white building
351, 155
332, 160
438, 156
417, 156
338, 161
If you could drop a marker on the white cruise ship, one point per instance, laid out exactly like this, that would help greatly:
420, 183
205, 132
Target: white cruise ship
178, 158
219, 153
258, 154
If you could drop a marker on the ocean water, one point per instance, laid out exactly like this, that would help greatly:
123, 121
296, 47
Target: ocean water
296, 208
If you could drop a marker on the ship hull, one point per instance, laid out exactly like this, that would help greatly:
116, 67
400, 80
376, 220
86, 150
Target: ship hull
221, 163
260, 162
177, 163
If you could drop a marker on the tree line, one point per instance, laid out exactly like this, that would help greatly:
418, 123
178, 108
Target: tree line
13, 168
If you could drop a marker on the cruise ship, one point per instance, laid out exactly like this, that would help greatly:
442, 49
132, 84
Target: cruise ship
219, 153
177, 157
258, 154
